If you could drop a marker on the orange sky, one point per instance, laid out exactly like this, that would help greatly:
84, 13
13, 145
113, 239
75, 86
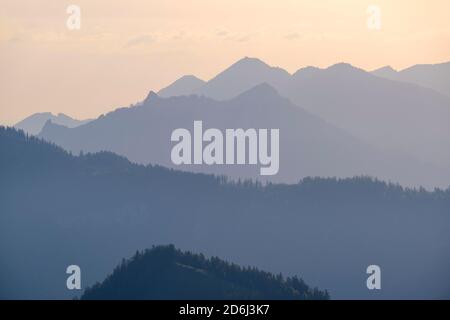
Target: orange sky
126, 48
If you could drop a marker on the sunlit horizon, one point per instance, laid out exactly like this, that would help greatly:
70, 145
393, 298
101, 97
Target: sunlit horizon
125, 49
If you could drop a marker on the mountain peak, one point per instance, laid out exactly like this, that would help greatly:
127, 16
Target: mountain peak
260, 92
151, 96
242, 76
189, 77
306, 71
33, 124
386, 68
64, 116
183, 86
250, 60
263, 87
342, 66
343, 69
50, 126
254, 64
386, 71
248, 64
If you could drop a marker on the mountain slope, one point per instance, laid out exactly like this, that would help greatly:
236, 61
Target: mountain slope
166, 273
95, 209
309, 146
34, 123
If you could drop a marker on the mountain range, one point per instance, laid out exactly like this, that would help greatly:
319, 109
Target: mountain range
411, 117
309, 145
57, 209
92, 193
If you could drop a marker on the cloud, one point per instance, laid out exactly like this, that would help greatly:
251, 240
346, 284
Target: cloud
244, 38
179, 36
139, 40
222, 33
292, 36
15, 39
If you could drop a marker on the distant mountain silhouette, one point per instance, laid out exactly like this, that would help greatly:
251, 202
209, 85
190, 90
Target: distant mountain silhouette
433, 76
34, 123
94, 209
166, 273
387, 114
183, 86
309, 146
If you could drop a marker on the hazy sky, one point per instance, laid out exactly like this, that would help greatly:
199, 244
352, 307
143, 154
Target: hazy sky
126, 48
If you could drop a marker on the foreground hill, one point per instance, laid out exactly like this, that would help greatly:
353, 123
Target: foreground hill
94, 209
166, 273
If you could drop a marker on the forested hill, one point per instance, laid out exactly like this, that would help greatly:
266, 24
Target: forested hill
92, 210
164, 272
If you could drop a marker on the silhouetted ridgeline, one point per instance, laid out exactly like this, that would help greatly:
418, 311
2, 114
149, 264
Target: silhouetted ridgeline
389, 114
308, 145
167, 273
92, 210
